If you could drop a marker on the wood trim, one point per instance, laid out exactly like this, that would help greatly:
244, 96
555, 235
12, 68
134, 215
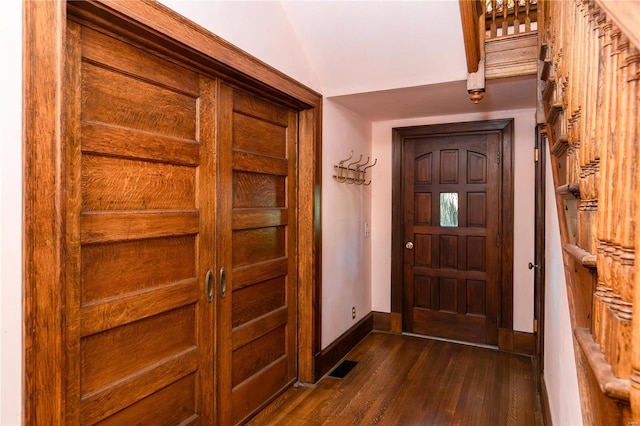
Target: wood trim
506, 127
524, 343
43, 224
540, 252
624, 17
505, 339
340, 347
309, 235
511, 56
569, 191
45, 25
396, 322
544, 402
507, 224
381, 321
162, 22
580, 255
610, 385
469, 14
517, 342
397, 226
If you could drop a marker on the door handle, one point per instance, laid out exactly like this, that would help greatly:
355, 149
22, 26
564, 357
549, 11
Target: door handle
223, 283
208, 285
531, 266
409, 245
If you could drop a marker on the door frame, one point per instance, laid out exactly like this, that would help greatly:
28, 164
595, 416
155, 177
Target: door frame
505, 128
152, 25
539, 250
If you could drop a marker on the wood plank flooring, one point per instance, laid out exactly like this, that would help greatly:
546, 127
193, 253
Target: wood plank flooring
404, 380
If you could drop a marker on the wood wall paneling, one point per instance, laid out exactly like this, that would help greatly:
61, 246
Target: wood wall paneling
69, 171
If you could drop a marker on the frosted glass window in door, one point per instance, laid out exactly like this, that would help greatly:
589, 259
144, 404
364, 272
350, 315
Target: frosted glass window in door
448, 209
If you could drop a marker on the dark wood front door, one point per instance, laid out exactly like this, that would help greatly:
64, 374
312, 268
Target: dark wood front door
451, 218
257, 344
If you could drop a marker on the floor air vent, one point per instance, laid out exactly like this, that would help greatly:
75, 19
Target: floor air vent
343, 369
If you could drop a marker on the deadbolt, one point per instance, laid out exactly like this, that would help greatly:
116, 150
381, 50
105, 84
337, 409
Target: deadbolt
409, 245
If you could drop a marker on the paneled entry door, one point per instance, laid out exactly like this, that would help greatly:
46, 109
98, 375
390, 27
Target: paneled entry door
451, 220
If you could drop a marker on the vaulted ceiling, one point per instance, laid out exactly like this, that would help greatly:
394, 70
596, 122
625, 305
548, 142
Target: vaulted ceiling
363, 46
384, 59
396, 59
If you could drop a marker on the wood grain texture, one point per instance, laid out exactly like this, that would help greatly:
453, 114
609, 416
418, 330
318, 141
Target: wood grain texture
381, 321
159, 264
123, 226
309, 247
100, 138
116, 184
153, 28
333, 353
133, 103
44, 38
186, 34
407, 380
591, 74
511, 56
469, 16
452, 253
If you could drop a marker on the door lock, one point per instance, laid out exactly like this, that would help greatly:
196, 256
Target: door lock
531, 266
409, 245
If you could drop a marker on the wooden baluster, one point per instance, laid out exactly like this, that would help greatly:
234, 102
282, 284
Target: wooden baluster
625, 170
604, 198
634, 70
527, 19
516, 16
596, 321
608, 272
595, 133
505, 15
494, 29
629, 137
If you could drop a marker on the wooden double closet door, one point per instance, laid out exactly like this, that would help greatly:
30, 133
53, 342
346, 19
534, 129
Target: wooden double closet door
180, 280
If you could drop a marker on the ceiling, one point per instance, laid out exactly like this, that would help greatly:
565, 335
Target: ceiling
447, 98
395, 59
362, 46
383, 59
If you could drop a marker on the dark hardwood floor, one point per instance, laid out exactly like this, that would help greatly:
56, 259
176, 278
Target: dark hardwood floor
404, 380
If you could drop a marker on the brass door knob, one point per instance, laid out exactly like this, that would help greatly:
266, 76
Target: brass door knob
409, 245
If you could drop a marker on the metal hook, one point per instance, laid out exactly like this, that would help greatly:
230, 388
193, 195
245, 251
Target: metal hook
364, 171
368, 167
349, 170
346, 159
360, 173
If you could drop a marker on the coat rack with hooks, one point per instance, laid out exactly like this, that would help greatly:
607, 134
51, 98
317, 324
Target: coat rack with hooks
354, 172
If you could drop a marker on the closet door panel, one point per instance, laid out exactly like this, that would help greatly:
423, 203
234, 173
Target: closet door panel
140, 327
258, 152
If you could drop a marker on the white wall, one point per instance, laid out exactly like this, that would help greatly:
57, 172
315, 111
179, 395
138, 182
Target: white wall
260, 28
523, 201
346, 252
560, 374
11, 214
